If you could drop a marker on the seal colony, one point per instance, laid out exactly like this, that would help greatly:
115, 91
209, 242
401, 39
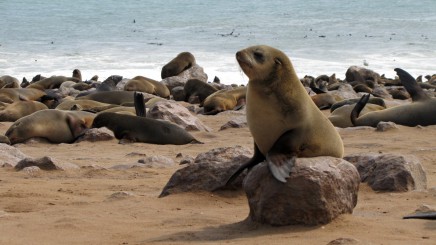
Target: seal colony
283, 119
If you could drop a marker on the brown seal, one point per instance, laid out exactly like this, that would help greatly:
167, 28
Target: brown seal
77, 74
340, 117
281, 116
91, 105
53, 125
197, 88
421, 111
180, 63
10, 95
51, 82
7, 81
141, 129
110, 97
223, 100
19, 109
147, 85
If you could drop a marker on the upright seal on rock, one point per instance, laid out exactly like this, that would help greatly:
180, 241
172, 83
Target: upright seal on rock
283, 119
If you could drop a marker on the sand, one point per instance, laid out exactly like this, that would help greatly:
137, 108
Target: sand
102, 206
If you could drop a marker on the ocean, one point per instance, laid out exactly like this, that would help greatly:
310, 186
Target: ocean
134, 37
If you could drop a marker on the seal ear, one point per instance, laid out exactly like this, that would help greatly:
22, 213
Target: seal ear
277, 61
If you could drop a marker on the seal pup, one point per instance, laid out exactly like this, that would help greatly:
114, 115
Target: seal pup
19, 109
223, 100
147, 85
283, 119
197, 88
422, 110
54, 125
180, 63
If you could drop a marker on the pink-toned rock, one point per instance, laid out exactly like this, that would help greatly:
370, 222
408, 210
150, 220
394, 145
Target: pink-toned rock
45, 163
96, 134
224, 154
318, 190
10, 155
239, 122
389, 172
195, 72
176, 113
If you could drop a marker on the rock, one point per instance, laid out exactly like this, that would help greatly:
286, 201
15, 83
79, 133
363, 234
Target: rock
10, 155
32, 170
45, 163
157, 162
204, 176
96, 134
239, 122
385, 126
173, 112
344, 241
318, 190
345, 91
187, 160
195, 72
360, 74
389, 172
121, 195
224, 154
178, 93
380, 91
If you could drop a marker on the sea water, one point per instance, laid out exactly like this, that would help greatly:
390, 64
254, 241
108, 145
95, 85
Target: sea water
134, 37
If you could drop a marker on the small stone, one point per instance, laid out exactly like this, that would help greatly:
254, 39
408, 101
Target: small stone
386, 126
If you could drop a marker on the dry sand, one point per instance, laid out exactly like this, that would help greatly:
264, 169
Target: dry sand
76, 207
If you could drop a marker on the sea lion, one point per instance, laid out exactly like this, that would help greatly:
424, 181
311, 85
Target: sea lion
180, 63
10, 95
283, 119
51, 82
7, 81
147, 85
341, 116
54, 125
90, 105
372, 100
325, 100
77, 74
421, 111
197, 88
142, 129
223, 100
19, 109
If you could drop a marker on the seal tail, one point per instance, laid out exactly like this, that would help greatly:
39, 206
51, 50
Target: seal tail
138, 99
411, 85
358, 108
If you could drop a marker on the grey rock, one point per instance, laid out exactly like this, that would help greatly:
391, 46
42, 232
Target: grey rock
344, 241
389, 172
318, 190
380, 91
361, 74
96, 134
4, 140
157, 162
32, 170
174, 112
121, 195
344, 92
386, 126
187, 160
239, 122
45, 163
224, 154
10, 155
195, 72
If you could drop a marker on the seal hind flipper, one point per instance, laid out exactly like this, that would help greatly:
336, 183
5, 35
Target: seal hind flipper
257, 158
280, 165
358, 108
411, 85
427, 215
139, 104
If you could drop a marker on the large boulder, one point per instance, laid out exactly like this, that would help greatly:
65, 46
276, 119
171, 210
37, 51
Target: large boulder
174, 112
195, 72
318, 190
361, 74
389, 172
10, 156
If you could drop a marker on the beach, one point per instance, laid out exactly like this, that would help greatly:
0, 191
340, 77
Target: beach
99, 205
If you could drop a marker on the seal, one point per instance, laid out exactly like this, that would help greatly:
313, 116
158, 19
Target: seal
283, 119
421, 111
19, 109
90, 105
147, 85
223, 100
10, 95
180, 63
7, 81
197, 88
53, 125
141, 129
110, 97
51, 82
77, 74
340, 117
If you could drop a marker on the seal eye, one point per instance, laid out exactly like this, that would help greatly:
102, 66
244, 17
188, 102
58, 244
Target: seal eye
259, 56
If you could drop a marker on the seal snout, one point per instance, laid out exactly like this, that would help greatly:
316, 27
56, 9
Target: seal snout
243, 60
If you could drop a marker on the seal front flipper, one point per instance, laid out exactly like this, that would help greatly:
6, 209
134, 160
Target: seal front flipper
280, 165
426, 215
411, 85
257, 158
138, 99
358, 108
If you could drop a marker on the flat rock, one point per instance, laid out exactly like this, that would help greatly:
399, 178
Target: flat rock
96, 134
10, 155
157, 162
239, 122
344, 241
389, 172
45, 163
176, 113
386, 126
318, 190
224, 154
